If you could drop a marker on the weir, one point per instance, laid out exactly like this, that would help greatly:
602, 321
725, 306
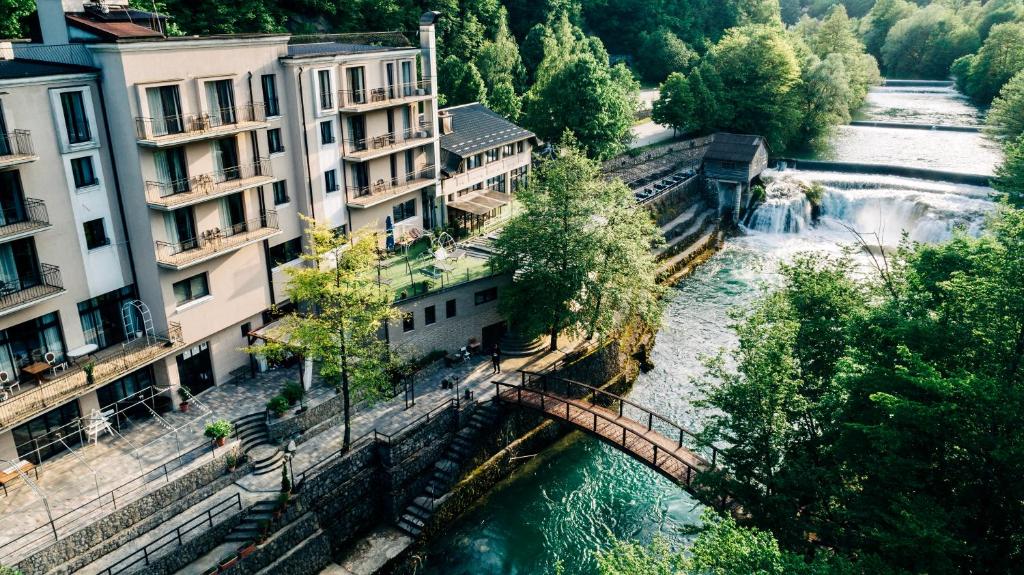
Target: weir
912, 126
883, 169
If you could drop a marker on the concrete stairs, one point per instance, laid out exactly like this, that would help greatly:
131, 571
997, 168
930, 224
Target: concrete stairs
513, 344
251, 430
446, 471
249, 529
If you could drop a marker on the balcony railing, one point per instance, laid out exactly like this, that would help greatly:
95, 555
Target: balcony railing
367, 147
207, 186
16, 147
366, 196
20, 221
108, 365
383, 96
210, 123
215, 242
38, 285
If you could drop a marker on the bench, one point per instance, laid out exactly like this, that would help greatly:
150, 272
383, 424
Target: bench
10, 473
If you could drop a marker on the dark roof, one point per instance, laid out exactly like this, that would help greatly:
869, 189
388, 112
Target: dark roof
23, 68
111, 29
476, 128
325, 48
734, 147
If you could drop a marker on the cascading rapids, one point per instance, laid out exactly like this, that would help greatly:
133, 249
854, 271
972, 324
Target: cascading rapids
883, 206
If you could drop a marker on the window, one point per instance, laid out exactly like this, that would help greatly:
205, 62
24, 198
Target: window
83, 173
274, 141
450, 309
341, 231
520, 177
508, 150
403, 211
281, 193
326, 98
492, 155
101, 316
327, 132
76, 122
269, 83
331, 180
474, 161
487, 295
191, 289
95, 234
286, 252
408, 322
430, 315
496, 183
520, 147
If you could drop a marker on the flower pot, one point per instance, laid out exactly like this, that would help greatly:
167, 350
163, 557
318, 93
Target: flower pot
246, 551
183, 406
228, 563
220, 441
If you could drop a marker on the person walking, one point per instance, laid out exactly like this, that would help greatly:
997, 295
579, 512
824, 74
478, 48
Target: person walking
496, 359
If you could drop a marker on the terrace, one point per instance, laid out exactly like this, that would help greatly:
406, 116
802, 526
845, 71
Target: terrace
173, 195
383, 190
366, 99
16, 148
183, 128
216, 242
415, 270
369, 148
19, 293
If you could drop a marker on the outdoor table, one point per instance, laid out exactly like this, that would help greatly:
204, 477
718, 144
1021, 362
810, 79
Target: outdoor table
10, 473
36, 370
83, 351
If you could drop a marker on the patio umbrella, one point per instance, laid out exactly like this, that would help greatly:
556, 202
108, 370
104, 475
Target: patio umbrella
390, 229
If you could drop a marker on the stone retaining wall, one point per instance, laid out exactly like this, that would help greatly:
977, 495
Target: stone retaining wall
201, 543
99, 538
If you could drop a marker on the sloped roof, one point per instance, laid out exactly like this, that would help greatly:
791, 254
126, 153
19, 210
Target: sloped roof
476, 128
734, 147
111, 29
25, 68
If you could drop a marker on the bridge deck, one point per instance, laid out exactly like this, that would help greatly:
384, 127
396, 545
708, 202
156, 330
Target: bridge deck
663, 454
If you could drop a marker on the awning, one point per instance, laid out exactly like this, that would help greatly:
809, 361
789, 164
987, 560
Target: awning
480, 203
276, 332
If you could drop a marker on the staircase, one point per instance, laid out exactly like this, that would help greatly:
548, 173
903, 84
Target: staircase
447, 470
513, 344
251, 430
249, 529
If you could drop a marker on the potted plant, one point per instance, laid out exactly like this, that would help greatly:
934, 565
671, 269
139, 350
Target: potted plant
293, 392
246, 550
185, 396
278, 405
232, 461
88, 369
219, 431
264, 528
228, 560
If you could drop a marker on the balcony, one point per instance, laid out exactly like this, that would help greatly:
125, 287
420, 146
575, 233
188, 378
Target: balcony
109, 364
366, 99
384, 190
377, 146
170, 196
184, 128
16, 148
23, 221
41, 285
216, 242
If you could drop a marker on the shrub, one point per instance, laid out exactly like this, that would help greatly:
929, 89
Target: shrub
293, 392
184, 393
219, 429
278, 405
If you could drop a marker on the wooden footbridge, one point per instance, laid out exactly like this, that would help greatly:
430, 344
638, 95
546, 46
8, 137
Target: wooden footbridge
641, 433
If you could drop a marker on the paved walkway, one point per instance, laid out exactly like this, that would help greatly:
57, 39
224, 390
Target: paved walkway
386, 417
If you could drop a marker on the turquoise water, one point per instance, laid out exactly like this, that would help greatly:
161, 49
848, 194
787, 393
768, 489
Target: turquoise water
569, 499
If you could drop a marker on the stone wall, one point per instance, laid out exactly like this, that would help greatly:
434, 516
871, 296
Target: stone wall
88, 544
308, 558
291, 537
201, 543
407, 462
281, 430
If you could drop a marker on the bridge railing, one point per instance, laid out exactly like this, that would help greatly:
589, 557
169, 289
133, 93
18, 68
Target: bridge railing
650, 451
654, 421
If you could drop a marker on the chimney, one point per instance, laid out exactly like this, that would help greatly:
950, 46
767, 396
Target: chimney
51, 19
445, 119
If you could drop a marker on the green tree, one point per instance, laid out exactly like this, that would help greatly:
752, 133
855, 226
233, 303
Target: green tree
498, 60
982, 75
675, 106
996, 12
1010, 174
460, 81
927, 43
503, 99
12, 16
874, 28
662, 53
579, 252
341, 313
1006, 116
824, 96
595, 102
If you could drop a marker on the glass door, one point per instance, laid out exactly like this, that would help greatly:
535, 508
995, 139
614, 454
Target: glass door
407, 85
12, 200
357, 84
390, 72
357, 130
184, 223
49, 434
220, 96
225, 151
195, 370
234, 212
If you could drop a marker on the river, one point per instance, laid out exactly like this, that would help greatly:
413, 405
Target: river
564, 504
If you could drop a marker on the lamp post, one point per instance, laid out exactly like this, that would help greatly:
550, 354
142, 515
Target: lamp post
289, 451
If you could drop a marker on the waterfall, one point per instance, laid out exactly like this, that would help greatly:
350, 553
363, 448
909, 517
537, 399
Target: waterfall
884, 206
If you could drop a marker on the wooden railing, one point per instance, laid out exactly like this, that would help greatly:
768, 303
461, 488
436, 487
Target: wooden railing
109, 364
198, 124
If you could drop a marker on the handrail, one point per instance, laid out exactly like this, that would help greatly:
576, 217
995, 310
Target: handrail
390, 185
192, 124
166, 539
206, 184
378, 94
529, 377
110, 497
387, 140
691, 471
16, 143
31, 213
212, 241
12, 292
391, 438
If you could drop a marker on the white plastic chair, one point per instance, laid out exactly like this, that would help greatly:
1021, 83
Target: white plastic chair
55, 366
7, 383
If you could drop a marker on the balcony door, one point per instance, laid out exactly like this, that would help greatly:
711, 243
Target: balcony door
19, 266
357, 83
27, 342
361, 178
48, 435
220, 96
407, 83
165, 110
225, 153
389, 72
5, 142
181, 224
195, 369
172, 170
12, 199
357, 131
233, 213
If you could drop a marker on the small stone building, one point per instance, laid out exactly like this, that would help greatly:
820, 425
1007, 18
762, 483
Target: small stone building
731, 163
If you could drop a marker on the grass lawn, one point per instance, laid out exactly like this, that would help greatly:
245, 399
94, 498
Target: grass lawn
414, 273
